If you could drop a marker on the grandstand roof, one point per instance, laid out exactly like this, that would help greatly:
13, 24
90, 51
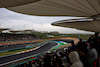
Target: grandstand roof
13, 3
81, 24
81, 8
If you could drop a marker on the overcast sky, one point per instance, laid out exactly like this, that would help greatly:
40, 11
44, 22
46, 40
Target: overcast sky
17, 21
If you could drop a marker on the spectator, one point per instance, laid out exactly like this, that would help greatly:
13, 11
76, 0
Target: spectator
59, 62
54, 57
98, 50
74, 58
93, 53
90, 40
84, 55
47, 60
95, 41
80, 41
67, 58
73, 46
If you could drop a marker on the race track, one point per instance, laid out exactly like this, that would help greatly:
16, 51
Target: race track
19, 56
6, 47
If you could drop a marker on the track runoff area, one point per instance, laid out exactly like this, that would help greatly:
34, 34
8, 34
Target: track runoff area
49, 44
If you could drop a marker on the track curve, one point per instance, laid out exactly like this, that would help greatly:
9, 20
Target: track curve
19, 56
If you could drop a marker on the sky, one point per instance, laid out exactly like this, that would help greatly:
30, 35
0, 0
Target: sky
17, 21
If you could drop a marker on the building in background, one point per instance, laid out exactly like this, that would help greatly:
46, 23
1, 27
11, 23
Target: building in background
54, 32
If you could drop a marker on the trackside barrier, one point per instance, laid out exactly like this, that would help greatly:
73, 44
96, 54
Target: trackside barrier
23, 62
33, 59
27, 50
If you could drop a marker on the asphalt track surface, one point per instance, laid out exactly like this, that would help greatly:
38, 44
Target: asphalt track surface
21, 45
19, 56
13, 46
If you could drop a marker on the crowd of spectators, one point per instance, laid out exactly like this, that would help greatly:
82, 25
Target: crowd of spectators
13, 37
83, 54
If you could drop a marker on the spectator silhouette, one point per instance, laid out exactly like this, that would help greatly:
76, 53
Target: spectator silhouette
74, 58
84, 55
47, 60
80, 41
93, 53
95, 41
73, 46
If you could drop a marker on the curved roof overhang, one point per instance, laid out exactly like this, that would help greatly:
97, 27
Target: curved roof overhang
77, 8
13, 3
80, 24
81, 8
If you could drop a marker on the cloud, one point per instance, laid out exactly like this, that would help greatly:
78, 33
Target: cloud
16, 21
